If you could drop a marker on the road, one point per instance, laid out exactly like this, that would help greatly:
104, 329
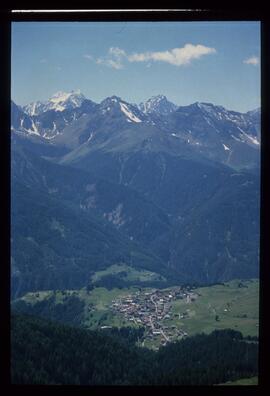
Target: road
151, 298
164, 335
151, 322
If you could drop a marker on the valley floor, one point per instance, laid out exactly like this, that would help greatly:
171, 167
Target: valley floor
166, 314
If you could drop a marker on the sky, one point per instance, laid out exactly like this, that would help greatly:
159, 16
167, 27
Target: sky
216, 62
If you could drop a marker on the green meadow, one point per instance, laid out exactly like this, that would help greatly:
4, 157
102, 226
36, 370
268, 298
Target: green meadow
234, 305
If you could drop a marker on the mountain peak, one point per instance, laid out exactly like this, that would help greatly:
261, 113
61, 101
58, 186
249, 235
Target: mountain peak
111, 99
158, 97
62, 100
256, 111
207, 108
114, 104
158, 104
204, 105
59, 101
67, 94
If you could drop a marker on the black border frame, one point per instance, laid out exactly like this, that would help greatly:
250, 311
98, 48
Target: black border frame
152, 14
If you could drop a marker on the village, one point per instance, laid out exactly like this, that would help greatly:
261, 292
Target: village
153, 310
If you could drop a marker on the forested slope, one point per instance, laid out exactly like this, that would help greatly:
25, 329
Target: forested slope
44, 352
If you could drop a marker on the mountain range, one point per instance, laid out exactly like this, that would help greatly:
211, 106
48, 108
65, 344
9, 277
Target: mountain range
174, 189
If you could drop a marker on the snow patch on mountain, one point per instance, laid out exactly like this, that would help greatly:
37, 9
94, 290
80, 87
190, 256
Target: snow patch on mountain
32, 132
128, 113
90, 137
225, 147
34, 108
35, 128
238, 140
251, 139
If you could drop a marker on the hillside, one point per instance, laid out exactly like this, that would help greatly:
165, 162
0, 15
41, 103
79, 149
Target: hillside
47, 353
67, 249
173, 190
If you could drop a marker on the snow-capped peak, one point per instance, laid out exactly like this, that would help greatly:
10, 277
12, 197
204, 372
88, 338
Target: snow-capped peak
62, 100
59, 101
157, 104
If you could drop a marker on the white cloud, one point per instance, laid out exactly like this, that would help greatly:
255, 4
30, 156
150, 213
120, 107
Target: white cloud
114, 58
117, 52
87, 56
176, 56
115, 64
43, 60
254, 60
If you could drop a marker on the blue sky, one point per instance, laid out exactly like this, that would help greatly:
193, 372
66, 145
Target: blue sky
217, 62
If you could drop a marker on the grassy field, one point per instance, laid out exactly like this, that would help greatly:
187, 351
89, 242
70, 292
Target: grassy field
97, 307
243, 381
219, 307
128, 273
232, 305
97, 310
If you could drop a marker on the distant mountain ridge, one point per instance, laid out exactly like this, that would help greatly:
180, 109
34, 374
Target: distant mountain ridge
228, 137
176, 186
